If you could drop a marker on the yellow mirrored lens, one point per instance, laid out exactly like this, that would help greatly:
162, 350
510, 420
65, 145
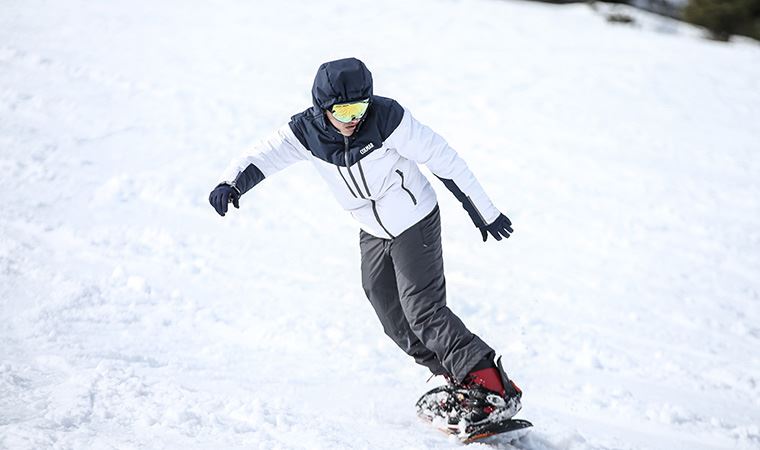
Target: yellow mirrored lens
346, 112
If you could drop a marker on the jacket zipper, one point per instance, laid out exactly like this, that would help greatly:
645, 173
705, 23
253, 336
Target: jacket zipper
377, 216
364, 180
345, 181
374, 206
350, 175
401, 174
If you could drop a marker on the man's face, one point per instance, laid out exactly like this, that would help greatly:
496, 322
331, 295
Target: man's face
346, 129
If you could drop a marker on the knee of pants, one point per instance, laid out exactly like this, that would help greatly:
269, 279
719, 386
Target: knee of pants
422, 308
421, 323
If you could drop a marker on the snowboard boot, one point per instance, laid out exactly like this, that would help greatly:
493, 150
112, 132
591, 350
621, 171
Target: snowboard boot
487, 395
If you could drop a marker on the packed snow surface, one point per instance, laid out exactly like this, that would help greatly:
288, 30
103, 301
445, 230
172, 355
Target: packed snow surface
626, 305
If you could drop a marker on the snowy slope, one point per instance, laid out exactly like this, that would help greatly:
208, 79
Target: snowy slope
627, 304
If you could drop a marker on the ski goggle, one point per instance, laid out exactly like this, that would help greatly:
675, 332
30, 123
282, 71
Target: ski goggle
346, 112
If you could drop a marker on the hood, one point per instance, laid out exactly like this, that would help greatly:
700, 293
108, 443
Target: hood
341, 81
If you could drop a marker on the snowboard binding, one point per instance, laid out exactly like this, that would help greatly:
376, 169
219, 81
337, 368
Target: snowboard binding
472, 412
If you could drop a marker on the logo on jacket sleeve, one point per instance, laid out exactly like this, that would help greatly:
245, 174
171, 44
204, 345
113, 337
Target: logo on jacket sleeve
367, 148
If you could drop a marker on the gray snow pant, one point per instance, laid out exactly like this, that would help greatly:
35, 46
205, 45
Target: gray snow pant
403, 279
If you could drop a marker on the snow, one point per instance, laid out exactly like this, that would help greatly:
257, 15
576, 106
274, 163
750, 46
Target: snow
625, 305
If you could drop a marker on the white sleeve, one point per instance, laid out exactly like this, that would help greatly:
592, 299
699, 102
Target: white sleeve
268, 156
419, 143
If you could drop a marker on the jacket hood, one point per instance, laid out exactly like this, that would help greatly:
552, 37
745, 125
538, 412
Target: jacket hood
341, 81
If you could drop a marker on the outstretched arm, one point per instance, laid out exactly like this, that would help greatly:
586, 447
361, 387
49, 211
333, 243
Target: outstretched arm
421, 144
268, 156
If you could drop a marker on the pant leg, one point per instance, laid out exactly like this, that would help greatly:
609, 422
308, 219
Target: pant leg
418, 263
379, 283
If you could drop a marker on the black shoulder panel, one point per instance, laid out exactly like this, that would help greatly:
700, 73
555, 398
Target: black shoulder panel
302, 123
316, 133
389, 115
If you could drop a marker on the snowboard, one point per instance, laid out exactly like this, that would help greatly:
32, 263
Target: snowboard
511, 429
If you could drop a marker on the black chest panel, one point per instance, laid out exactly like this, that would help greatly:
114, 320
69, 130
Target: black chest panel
315, 132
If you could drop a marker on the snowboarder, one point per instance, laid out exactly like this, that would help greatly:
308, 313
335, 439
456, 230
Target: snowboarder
367, 149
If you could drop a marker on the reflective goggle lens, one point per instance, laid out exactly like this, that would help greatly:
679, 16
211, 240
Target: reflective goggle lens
346, 112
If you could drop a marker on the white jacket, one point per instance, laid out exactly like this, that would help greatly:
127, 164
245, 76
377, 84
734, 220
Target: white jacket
385, 191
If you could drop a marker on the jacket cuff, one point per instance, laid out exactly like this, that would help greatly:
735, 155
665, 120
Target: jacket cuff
475, 214
246, 180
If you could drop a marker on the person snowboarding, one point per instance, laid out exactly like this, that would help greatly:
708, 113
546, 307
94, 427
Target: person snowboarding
367, 148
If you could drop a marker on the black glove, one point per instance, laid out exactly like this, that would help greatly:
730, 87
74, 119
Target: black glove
502, 226
222, 195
